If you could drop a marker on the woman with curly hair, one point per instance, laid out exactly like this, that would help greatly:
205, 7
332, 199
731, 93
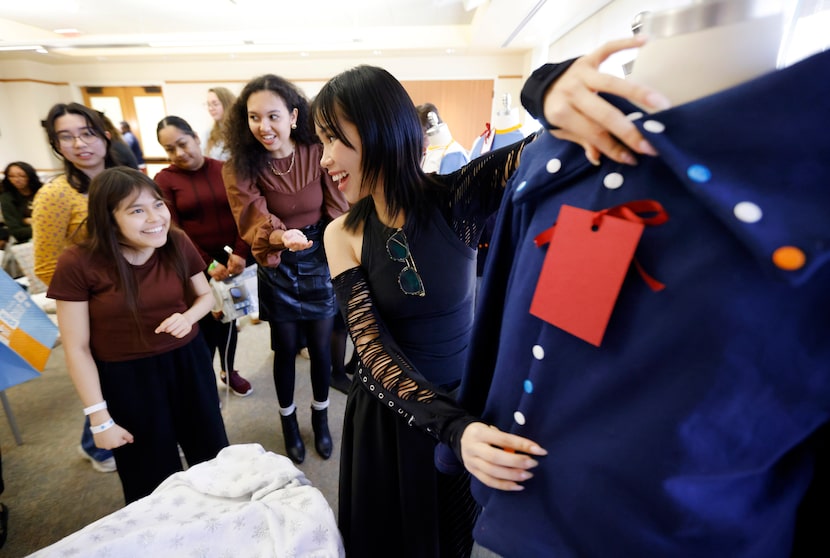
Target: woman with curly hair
282, 201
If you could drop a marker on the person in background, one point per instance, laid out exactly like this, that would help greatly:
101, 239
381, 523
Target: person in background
282, 201
20, 184
219, 103
129, 300
77, 134
134, 144
403, 267
121, 152
193, 188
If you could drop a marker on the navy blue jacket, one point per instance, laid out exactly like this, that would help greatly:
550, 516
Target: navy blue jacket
691, 430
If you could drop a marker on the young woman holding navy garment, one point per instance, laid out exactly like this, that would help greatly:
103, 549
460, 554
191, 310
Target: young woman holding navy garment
403, 266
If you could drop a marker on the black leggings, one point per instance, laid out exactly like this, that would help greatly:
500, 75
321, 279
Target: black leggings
222, 337
284, 337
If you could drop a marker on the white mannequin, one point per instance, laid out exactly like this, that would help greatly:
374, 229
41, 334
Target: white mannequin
506, 117
443, 154
505, 129
708, 46
439, 133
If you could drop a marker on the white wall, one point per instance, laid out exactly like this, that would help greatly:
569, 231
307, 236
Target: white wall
807, 31
611, 22
28, 89
21, 136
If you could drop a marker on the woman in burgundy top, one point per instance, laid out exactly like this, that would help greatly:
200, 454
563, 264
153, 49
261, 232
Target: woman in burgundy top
282, 200
195, 194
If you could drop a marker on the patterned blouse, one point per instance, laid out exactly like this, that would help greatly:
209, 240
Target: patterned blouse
58, 220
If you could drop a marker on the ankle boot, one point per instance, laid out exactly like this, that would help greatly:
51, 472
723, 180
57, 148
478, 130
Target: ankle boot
294, 447
322, 436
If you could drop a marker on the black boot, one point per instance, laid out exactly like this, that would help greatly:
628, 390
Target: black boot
294, 447
322, 436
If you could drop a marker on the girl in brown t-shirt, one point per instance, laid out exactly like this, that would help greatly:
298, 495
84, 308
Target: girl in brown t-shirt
129, 300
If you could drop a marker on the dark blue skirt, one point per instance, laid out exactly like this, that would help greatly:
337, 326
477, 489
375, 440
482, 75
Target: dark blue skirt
300, 287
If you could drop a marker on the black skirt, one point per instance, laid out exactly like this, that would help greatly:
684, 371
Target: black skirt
299, 288
392, 500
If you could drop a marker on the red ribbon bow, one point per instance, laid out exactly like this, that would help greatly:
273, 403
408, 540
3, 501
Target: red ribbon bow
634, 211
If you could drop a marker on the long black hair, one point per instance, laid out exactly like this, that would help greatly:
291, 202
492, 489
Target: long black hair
247, 154
390, 134
77, 178
31, 173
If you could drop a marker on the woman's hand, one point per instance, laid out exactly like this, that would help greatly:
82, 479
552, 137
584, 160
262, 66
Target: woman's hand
218, 272
236, 264
498, 459
113, 437
176, 325
572, 104
294, 240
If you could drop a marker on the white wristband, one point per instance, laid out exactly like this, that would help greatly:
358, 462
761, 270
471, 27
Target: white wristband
97, 407
102, 427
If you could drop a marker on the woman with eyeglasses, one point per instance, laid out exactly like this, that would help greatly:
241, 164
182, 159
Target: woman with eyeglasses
403, 263
219, 103
282, 201
77, 135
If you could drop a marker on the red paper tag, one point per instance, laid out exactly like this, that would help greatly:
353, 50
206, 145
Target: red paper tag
586, 263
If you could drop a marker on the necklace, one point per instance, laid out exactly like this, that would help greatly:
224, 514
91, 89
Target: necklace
278, 173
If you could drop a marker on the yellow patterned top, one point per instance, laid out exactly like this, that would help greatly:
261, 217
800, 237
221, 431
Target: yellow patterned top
58, 219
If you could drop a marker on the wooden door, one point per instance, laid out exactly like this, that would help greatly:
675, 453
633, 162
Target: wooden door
465, 105
140, 107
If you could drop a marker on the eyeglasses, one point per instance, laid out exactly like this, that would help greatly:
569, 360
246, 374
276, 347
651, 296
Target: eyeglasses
87, 136
408, 279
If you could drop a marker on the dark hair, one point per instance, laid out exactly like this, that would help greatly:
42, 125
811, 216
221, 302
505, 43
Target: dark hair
106, 192
390, 133
122, 154
176, 122
109, 126
77, 178
247, 154
31, 173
